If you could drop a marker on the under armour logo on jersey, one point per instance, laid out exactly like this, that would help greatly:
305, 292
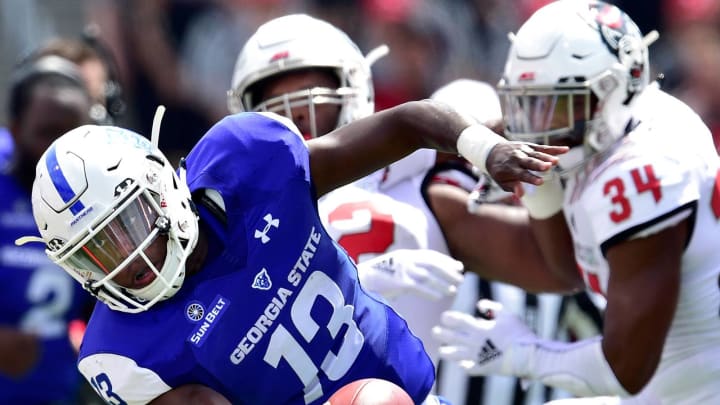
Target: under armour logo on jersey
488, 352
271, 222
262, 280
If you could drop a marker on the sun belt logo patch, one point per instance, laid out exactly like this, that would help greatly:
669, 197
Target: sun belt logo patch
206, 323
262, 280
194, 311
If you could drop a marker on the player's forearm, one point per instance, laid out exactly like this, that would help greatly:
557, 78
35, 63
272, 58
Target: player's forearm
553, 238
503, 248
18, 352
374, 142
434, 125
398, 131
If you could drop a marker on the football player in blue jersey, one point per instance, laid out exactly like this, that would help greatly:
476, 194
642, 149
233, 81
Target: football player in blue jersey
218, 282
37, 361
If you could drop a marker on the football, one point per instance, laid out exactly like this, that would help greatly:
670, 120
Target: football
370, 391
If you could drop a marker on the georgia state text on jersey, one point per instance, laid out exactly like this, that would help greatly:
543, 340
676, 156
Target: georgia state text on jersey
665, 170
276, 315
37, 297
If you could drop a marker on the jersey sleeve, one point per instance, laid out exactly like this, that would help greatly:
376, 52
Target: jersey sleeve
119, 380
247, 156
454, 172
639, 195
412, 165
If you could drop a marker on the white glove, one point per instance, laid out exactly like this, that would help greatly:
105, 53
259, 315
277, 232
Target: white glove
493, 346
427, 273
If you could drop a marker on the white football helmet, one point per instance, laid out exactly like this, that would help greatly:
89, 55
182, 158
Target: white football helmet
299, 41
571, 75
101, 196
478, 100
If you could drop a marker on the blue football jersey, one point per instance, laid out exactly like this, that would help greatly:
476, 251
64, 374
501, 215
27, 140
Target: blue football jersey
36, 297
7, 146
276, 315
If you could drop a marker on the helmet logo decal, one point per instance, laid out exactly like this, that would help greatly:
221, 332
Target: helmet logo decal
613, 25
280, 55
623, 39
609, 15
60, 182
262, 280
526, 76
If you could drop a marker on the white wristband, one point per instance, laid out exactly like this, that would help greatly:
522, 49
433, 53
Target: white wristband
545, 200
475, 143
579, 368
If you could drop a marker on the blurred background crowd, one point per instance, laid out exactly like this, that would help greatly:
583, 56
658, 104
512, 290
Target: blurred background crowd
181, 53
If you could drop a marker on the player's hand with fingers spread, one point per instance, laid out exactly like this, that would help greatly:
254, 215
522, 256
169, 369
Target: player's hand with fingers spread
508, 163
495, 343
513, 163
423, 272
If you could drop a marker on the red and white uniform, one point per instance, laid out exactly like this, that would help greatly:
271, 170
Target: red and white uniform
663, 171
387, 211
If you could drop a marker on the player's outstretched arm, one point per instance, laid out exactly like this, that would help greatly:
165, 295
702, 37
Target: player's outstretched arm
191, 394
368, 144
642, 296
497, 243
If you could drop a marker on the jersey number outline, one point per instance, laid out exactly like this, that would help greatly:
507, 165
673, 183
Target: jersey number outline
51, 293
101, 384
372, 231
615, 188
283, 345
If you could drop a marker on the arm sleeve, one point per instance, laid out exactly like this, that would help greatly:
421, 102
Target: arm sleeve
119, 380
